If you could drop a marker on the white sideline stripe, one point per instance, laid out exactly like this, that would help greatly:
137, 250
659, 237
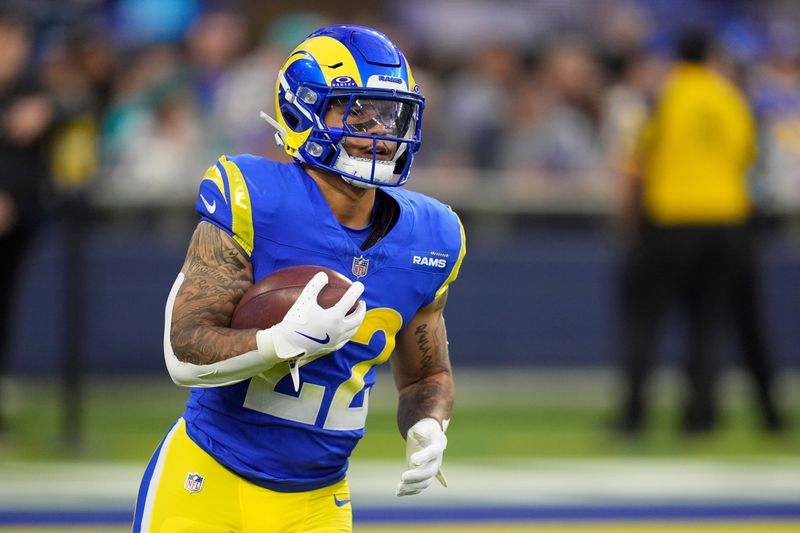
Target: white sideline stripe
63, 486
593, 482
152, 488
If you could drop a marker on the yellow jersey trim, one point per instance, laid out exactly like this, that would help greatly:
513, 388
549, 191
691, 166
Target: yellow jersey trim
215, 176
241, 208
454, 273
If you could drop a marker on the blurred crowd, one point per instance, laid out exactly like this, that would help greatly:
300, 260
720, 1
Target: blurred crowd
530, 104
545, 94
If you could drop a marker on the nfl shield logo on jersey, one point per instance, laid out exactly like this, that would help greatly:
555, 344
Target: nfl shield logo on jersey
194, 482
360, 266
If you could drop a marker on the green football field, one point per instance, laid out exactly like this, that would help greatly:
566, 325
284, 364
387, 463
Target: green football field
519, 414
510, 420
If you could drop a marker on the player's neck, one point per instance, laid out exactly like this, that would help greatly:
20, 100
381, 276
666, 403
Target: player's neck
352, 206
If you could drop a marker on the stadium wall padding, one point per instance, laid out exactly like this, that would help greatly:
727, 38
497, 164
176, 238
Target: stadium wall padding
536, 295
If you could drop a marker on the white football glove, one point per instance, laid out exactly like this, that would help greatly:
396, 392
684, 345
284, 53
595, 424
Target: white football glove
308, 329
425, 445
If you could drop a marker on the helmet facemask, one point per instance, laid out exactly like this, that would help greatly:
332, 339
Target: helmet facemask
373, 138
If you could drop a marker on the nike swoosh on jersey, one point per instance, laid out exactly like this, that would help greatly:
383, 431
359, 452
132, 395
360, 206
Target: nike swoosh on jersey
211, 207
321, 341
340, 503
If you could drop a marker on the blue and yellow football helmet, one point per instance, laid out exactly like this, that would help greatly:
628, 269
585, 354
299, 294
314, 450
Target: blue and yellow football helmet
358, 80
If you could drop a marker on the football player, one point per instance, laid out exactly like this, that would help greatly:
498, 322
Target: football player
274, 414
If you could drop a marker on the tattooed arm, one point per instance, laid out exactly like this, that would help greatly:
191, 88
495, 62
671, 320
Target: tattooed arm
200, 348
216, 273
421, 368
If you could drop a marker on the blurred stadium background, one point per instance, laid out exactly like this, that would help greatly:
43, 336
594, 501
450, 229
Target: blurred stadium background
530, 103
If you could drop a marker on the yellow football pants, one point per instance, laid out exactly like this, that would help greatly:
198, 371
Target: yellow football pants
185, 490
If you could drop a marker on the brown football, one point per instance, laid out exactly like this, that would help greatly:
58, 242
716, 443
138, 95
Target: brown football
266, 302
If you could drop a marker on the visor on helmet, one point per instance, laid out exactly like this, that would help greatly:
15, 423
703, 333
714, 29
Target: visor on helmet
375, 116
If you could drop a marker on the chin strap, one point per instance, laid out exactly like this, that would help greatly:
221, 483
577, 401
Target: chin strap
281, 133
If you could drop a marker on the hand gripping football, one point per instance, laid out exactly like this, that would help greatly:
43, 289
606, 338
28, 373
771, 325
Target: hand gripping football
267, 301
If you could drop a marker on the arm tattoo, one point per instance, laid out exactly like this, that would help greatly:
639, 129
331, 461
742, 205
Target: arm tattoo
432, 349
432, 394
217, 273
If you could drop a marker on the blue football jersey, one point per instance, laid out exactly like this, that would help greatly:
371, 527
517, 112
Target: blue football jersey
261, 428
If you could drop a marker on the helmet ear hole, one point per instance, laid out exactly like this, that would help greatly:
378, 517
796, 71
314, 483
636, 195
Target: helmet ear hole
291, 119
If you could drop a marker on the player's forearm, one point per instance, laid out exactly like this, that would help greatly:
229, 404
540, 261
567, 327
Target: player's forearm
199, 332
204, 345
425, 387
430, 397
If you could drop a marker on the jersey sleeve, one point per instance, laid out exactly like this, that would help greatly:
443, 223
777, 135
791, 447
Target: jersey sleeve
457, 243
224, 200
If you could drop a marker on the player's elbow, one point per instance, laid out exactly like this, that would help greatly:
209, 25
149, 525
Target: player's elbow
181, 362
181, 380
182, 373
185, 374
190, 373
182, 352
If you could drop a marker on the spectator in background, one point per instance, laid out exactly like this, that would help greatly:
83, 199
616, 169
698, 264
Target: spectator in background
626, 103
214, 44
775, 87
163, 120
76, 70
144, 22
560, 136
26, 114
687, 207
152, 134
478, 106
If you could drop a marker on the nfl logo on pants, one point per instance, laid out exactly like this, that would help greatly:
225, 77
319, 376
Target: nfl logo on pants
194, 482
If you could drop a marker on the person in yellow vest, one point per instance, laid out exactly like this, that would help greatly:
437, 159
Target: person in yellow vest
686, 208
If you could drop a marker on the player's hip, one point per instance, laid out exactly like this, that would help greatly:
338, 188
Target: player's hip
272, 452
185, 489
